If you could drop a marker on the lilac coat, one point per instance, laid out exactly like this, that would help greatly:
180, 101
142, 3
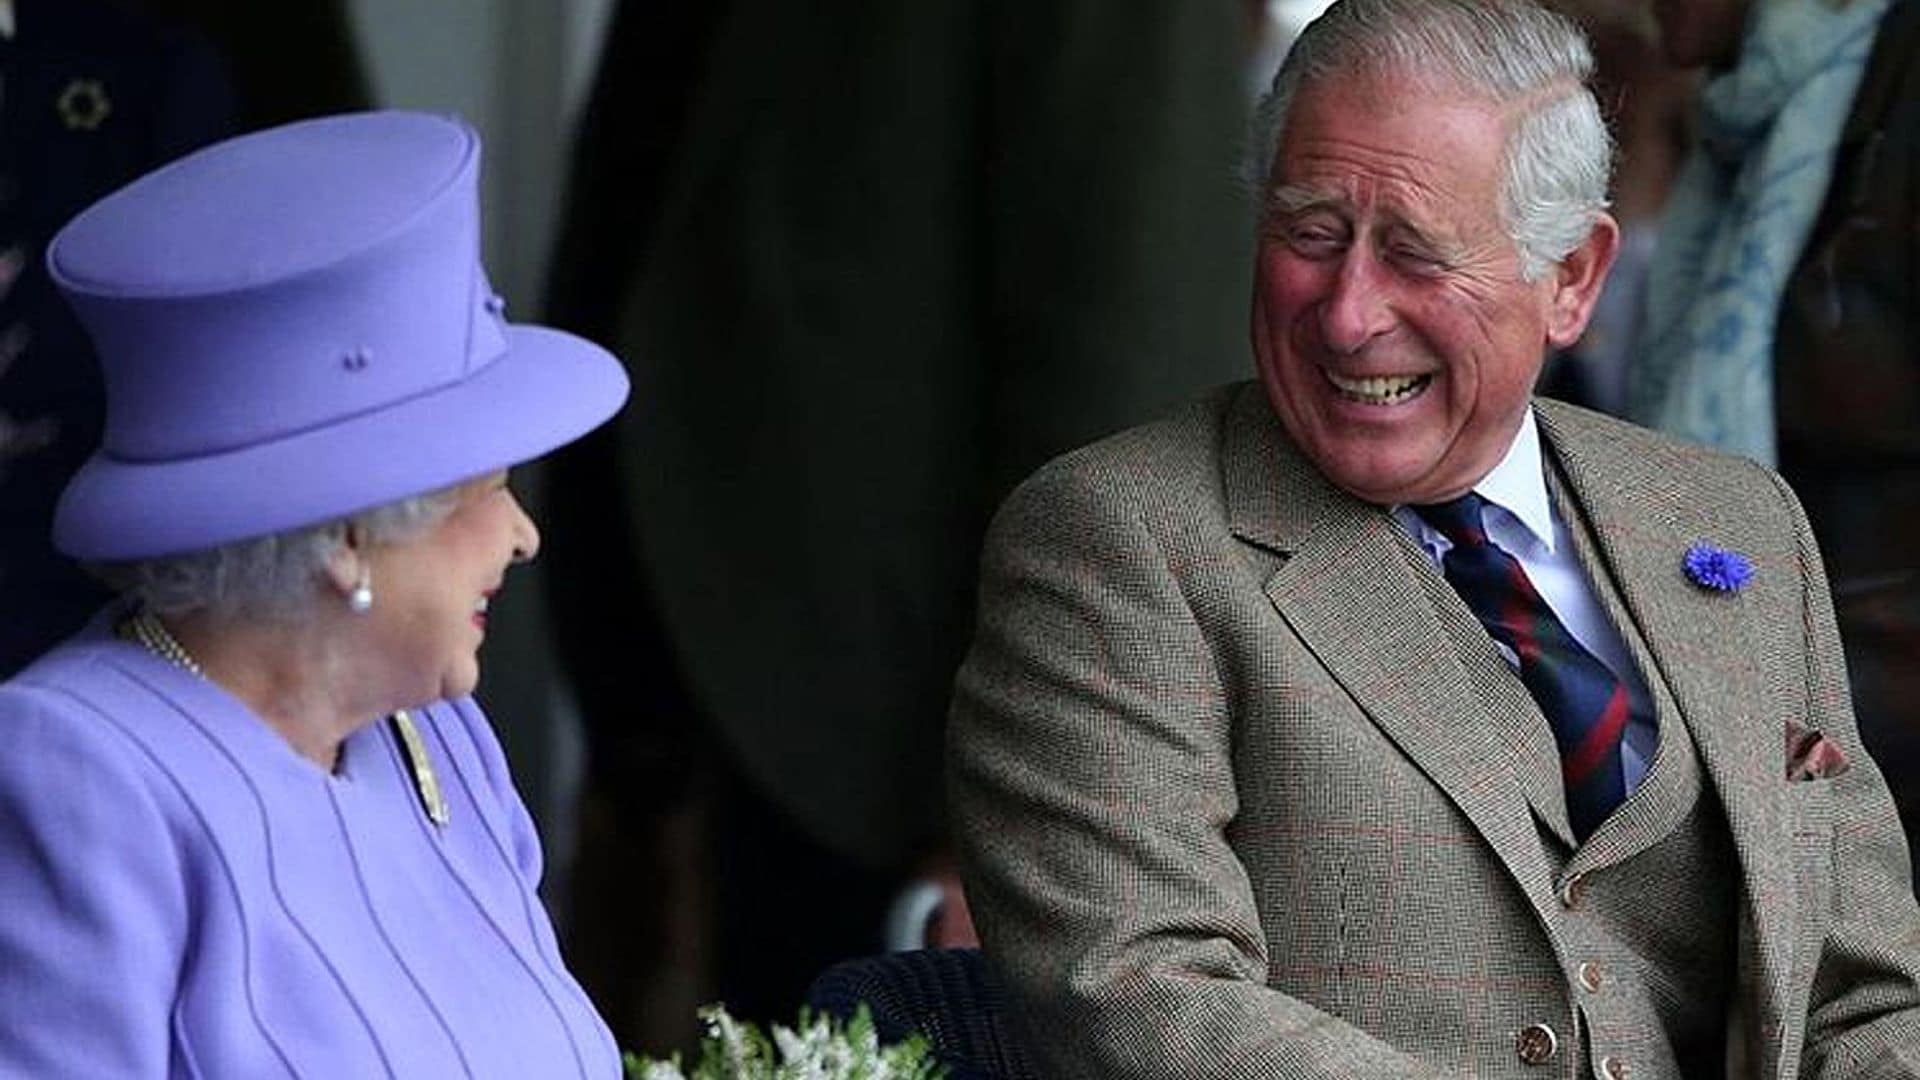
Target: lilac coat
183, 895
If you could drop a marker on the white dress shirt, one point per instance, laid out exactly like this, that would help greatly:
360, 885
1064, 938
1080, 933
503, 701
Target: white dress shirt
1520, 520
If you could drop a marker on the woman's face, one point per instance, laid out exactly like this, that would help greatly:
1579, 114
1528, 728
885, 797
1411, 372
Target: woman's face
431, 592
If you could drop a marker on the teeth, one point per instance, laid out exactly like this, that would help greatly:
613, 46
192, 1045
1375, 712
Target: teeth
1380, 390
480, 606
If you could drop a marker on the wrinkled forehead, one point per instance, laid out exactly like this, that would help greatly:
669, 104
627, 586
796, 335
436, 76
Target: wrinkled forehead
1379, 123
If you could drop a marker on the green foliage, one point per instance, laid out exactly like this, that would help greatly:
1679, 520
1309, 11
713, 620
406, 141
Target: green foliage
818, 1048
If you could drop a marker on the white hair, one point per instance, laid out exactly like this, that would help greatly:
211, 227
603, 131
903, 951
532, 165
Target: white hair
1514, 53
273, 576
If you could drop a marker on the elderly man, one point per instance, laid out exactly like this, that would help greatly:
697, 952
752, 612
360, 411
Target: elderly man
1391, 722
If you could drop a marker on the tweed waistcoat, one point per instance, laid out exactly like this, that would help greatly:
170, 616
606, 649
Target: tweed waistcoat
1644, 928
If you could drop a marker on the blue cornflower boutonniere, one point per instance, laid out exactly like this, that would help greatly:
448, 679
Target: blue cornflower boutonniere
1716, 568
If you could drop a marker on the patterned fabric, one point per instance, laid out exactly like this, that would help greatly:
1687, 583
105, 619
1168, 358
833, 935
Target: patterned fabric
1813, 756
1584, 703
1738, 217
1236, 799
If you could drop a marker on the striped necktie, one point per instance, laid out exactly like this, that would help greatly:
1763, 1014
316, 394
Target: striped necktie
1586, 705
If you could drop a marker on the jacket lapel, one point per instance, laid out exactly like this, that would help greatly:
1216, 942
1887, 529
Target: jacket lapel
1339, 572
1699, 649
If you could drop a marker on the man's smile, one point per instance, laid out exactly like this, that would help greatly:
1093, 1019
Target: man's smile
1379, 389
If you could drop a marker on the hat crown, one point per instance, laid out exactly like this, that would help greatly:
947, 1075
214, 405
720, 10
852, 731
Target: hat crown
282, 281
294, 327
264, 207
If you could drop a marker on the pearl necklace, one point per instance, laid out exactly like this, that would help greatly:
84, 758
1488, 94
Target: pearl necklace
144, 629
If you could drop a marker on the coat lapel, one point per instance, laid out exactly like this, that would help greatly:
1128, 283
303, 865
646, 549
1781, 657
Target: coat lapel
1339, 573
1698, 647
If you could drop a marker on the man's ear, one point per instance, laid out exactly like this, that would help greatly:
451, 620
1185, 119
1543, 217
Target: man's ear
1577, 280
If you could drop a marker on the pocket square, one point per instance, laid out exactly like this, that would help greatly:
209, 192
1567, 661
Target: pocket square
1813, 756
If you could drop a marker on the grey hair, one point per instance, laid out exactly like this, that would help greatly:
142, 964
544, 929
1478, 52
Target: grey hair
1512, 52
273, 576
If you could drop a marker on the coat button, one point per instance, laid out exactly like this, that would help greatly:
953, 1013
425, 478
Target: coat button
1537, 1044
1591, 977
1614, 1069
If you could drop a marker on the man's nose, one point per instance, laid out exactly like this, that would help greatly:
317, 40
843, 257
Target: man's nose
1357, 308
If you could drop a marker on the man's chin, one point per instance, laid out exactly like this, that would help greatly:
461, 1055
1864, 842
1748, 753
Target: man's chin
1381, 476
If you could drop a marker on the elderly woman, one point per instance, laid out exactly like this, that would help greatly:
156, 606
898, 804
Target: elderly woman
251, 823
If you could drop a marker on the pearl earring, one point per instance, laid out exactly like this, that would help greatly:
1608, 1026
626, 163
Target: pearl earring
360, 600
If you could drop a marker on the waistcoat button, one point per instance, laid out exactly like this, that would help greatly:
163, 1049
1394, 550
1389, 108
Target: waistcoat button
1591, 977
1614, 1069
1537, 1044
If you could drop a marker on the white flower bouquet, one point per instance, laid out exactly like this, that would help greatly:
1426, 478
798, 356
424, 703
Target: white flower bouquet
819, 1048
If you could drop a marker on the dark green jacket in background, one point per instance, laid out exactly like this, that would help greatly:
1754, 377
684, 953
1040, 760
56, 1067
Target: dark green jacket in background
880, 261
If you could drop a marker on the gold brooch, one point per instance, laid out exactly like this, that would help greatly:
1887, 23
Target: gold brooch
84, 105
424, 780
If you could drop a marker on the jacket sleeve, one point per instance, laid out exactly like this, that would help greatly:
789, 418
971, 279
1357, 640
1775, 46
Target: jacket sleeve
1092, 785
92, 892
1863, 1018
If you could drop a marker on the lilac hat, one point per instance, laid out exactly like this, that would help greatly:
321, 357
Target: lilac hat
294, 326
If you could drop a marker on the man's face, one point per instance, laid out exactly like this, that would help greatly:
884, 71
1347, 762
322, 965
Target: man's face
1391, 326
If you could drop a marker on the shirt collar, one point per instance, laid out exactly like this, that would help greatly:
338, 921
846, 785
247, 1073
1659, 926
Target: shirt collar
1518, 484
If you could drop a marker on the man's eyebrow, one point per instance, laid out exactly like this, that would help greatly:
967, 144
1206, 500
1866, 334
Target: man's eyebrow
1294, 198
1444, 248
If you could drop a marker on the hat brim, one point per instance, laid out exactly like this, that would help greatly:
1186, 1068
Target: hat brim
547, 390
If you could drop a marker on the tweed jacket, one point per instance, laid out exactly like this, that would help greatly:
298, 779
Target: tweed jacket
1230, 806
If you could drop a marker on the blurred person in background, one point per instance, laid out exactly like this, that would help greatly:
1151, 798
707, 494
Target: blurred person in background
288, 60
1784, 306
96, 92
1647, 100
869, 264
92, 94
251, 820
